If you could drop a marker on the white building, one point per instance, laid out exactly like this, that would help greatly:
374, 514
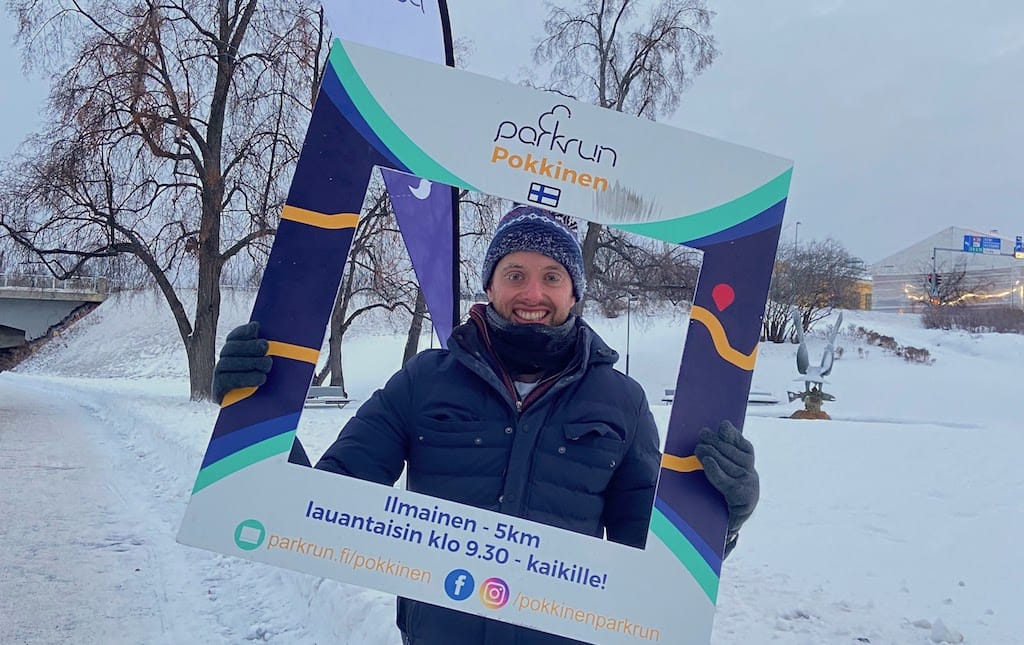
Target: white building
994, 277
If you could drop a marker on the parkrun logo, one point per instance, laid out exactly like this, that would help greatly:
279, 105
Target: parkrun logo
493, 593
546, 136
414, 3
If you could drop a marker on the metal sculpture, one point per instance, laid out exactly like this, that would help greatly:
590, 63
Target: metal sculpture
813, 394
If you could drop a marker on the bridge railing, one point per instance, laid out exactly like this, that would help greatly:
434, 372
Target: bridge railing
79, 284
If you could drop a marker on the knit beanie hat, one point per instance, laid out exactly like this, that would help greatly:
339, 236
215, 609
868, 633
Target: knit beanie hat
527, 228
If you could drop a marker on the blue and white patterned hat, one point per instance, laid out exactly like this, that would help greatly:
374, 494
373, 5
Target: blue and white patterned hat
528, 228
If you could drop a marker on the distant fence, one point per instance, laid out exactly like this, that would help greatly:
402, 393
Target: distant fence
80, 284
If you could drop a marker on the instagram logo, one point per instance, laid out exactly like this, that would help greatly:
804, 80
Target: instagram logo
493, 593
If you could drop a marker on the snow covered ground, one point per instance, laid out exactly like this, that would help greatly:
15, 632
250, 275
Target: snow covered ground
898, 522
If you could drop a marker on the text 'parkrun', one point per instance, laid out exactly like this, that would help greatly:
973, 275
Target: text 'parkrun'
546, 134
599, 622
503, 544
349, 557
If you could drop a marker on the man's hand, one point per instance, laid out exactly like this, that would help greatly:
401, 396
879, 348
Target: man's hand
243, 361
728, 461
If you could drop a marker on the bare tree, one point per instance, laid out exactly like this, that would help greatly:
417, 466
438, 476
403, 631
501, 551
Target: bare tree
813, 279
954, 286
775, 324
628, 56
378, 277
174, 130
648, 272
478, 218
412, 338
14, 259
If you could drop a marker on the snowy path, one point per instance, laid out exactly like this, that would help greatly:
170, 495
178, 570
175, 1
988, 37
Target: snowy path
91, 497
84, 559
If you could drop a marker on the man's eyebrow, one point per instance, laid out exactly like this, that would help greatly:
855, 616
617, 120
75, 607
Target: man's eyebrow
549, 267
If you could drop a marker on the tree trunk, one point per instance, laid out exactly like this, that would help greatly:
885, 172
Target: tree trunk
412, 341
338, 328
321, 376
334, 361
334, 351
338, 375
589, 253
200, 351
201, 348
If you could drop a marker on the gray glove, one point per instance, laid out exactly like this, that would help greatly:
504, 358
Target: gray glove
728, 461
243, 361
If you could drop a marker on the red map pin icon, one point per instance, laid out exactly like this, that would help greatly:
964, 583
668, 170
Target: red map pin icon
723, 295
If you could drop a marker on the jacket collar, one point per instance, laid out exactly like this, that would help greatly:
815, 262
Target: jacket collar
470, 340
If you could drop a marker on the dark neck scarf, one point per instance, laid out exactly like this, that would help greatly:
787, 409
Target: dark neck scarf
531, 349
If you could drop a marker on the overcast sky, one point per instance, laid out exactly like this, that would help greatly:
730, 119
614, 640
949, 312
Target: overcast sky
902, 118
20, 98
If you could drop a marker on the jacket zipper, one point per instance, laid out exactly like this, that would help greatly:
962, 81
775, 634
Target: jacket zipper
505, 378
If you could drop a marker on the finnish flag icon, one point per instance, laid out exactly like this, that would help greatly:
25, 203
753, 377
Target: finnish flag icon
544, 195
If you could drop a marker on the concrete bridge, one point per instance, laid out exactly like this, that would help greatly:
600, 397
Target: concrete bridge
31, 304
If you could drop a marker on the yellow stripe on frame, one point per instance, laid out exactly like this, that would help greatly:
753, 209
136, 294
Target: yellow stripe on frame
294, 352
319, 220
721, 340
234, 396
681, 464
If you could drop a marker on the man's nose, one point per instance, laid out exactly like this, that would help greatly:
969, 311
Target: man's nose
532, 289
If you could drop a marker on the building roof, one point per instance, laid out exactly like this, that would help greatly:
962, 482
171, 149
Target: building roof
947, 246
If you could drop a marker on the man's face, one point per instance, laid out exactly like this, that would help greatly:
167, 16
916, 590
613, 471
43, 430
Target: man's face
530, 288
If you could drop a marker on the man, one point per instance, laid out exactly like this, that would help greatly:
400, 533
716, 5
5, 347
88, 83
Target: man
523, 414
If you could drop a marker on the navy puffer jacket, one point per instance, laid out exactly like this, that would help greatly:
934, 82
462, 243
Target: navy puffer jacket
580, 452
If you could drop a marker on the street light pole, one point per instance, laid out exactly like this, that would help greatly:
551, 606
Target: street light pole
629, 299
796, 237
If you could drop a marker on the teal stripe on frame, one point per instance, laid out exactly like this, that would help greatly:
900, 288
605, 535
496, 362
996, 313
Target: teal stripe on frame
693, 227
686, 553
418, 161
231, 464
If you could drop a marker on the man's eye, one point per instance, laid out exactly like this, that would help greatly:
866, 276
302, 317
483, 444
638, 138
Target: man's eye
553, 277
514, 275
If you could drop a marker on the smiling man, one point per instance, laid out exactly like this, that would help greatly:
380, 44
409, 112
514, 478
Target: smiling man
523, 414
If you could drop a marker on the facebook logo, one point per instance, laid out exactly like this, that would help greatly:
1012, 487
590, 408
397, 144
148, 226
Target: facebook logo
544, 195
459, 584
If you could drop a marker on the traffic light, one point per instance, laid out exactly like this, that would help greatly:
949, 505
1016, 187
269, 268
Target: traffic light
938, 279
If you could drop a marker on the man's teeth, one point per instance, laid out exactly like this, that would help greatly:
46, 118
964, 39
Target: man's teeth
530, 315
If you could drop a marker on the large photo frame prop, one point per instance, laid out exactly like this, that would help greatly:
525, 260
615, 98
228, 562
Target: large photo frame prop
528, 146
421, 29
